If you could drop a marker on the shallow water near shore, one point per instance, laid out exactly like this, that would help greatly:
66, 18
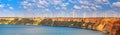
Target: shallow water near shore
44, 30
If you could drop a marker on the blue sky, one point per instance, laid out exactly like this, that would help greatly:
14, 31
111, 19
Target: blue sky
59, 8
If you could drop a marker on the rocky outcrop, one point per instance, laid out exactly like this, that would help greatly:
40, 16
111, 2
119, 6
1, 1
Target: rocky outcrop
106, 25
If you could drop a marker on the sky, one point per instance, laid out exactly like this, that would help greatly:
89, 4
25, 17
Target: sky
59, 8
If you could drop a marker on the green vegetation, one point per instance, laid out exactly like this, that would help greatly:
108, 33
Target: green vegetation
25, 21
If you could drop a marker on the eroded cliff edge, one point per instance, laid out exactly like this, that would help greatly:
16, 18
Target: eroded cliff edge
106, 25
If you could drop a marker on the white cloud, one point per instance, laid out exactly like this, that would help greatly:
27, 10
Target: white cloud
39, 6
98, 1
1, 5
34, 1
24, 7
106, 1
24, 3
84, 2
47, 9
73, 1
42, 2
29, 4
77, 7
64, 8
87, 7
83, 6
116, 4
57, 8
97, 6
56, 2
64, 4
11, 8
102, 1
94, 8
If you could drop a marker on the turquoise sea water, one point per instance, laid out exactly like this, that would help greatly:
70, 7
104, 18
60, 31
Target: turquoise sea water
44, 30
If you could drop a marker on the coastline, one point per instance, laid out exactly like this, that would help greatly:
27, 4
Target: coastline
104, 25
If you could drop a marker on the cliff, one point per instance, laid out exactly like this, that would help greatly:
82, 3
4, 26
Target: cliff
106, 25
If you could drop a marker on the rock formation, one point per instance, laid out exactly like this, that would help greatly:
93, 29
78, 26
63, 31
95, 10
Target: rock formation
106, 25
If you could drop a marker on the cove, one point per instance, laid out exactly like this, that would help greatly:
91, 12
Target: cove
44, 30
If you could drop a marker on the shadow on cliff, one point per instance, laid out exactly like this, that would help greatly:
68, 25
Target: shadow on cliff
74, 24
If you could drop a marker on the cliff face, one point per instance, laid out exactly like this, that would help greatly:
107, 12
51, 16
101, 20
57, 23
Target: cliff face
101, 24
106, 25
